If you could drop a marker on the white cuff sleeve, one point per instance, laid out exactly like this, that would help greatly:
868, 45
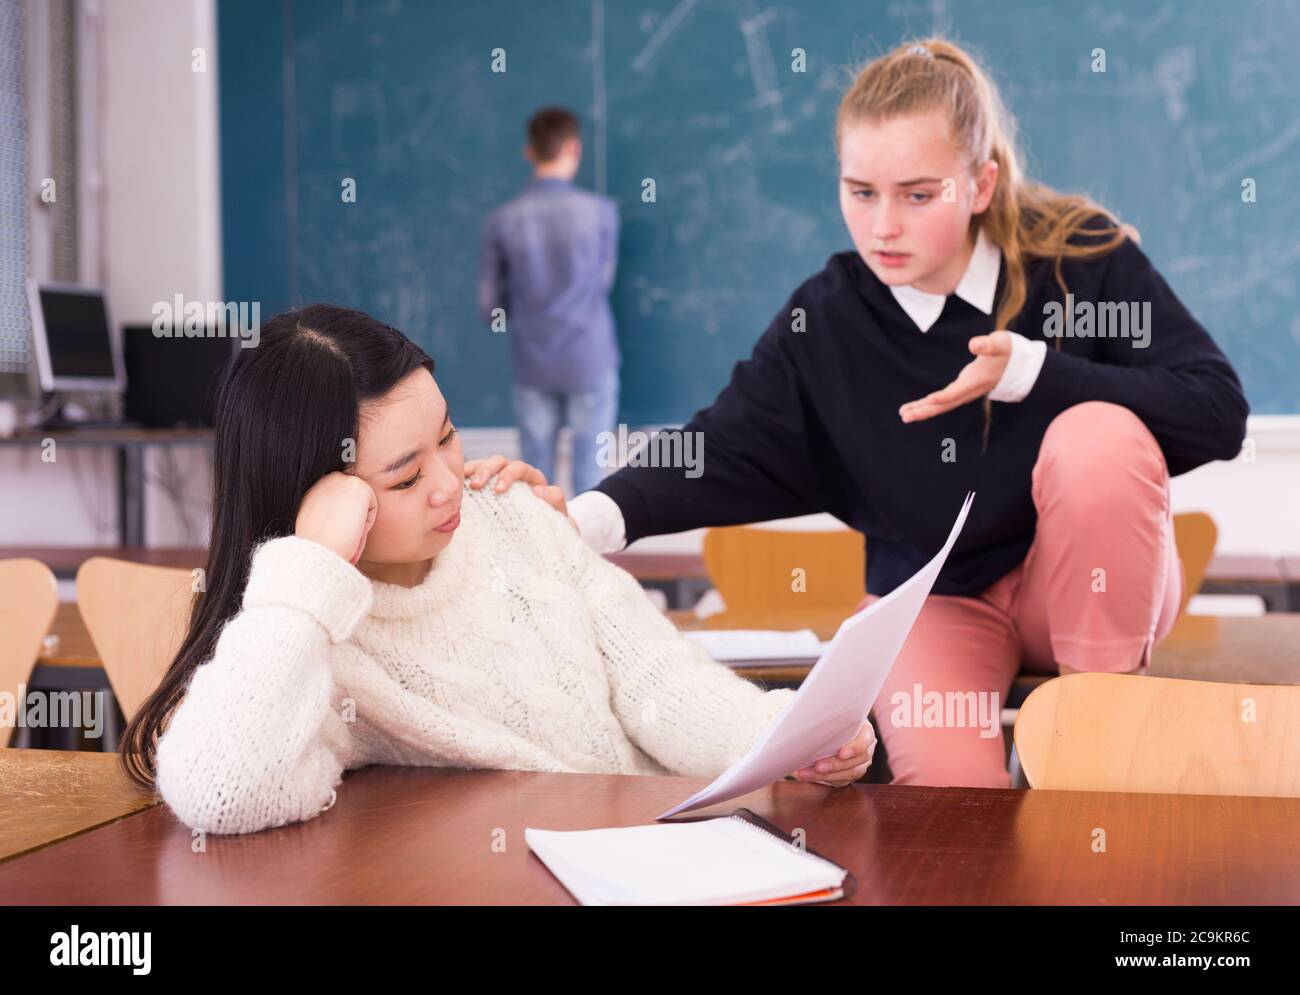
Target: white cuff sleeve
1022, 369
298, 573
600, 522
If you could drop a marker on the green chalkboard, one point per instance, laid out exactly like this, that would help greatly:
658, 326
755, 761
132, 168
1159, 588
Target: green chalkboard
701, 96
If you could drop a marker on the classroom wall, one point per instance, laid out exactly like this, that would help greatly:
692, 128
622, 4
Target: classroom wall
155, 195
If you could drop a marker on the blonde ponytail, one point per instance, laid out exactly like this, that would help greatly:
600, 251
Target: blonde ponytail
1025, 219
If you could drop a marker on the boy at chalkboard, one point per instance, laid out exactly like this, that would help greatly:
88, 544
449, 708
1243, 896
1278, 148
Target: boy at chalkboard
548, 263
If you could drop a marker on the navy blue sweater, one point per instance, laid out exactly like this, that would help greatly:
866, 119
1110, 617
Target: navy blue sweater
809, 423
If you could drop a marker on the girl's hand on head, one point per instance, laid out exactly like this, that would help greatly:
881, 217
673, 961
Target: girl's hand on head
977, 378
338, 511
478, 471
849, 764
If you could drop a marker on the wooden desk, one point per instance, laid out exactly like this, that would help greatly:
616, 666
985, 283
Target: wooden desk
1263, 576
1230, 573
68, 659
68, 643
680, 576
49, 795
1262, 650
660, 566
65, 561
425, 835
824, 624
1291, 570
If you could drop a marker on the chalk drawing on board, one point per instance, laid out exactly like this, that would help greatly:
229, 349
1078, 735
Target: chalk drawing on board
670, 24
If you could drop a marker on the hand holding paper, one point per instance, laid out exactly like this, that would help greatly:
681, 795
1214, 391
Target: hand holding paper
847, 765
838, 693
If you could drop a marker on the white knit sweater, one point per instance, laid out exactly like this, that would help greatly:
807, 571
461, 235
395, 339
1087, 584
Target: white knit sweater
521, 649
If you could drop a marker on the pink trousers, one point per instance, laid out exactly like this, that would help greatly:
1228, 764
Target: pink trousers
1100, 585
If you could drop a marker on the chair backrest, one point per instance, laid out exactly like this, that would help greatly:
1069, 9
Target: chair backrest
752, 568
1125, 732
786, 573
137, 616
1195, 535
29, 598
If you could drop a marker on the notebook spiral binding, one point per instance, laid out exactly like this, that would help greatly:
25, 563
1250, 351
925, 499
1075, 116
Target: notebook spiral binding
759, 824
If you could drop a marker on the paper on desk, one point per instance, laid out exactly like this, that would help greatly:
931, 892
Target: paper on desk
836, 696
757, 644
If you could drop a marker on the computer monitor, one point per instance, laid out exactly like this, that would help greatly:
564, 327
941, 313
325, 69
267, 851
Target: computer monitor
172, 381
75, 344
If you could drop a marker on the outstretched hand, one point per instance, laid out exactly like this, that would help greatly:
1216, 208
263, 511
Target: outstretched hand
977, 378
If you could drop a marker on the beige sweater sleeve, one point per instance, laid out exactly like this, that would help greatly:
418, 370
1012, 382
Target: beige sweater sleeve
255, 743
691, 713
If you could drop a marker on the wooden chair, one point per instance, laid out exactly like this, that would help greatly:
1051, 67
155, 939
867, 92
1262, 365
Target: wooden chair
753, 570
774, 579
137, 617
1195, 536
29, 597
1122, 732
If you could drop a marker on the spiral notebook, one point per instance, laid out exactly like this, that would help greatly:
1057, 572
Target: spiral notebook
741, 859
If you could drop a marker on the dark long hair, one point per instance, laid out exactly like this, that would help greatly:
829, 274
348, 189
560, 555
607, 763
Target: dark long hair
284, 410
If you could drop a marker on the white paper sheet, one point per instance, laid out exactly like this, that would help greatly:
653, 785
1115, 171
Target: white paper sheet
838, 693
731, 645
